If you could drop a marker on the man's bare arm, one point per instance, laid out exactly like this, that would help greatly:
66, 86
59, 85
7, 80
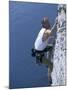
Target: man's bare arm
54, 26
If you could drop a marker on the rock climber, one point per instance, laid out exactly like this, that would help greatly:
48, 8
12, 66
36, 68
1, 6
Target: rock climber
41, 43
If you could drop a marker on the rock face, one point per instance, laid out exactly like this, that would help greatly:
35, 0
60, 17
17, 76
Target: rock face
59, 57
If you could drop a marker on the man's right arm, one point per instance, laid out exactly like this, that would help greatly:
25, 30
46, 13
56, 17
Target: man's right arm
54, 26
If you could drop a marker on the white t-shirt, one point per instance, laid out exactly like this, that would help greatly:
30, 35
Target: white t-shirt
39, 44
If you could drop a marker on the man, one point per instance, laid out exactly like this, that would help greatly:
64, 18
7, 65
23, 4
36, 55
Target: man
41, 44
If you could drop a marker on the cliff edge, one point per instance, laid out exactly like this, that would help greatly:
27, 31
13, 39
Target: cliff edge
58, 74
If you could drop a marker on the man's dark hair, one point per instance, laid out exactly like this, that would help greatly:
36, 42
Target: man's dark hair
45, 23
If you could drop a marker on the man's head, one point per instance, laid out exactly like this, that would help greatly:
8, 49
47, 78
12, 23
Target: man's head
45, 23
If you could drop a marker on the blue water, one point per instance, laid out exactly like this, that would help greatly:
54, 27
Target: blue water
25, 23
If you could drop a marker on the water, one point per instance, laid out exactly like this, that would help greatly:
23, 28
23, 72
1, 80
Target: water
25, 23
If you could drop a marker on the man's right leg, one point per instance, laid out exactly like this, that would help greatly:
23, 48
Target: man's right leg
39, 57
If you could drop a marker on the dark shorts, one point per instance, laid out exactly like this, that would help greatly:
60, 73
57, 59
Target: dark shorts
35, 52
39, 54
